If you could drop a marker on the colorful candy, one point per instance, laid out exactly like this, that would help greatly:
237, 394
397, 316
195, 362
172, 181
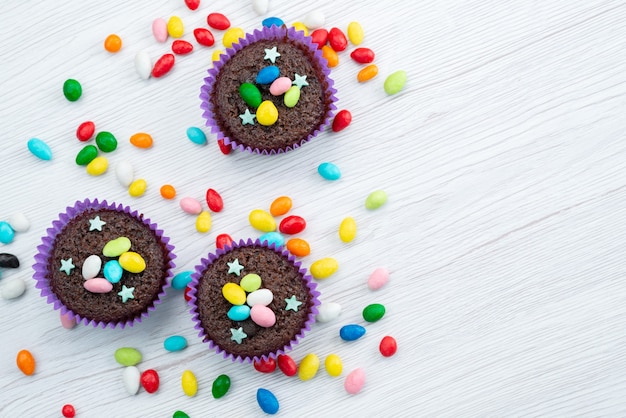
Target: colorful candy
298, 247
232, 36
319, 37
347, 229
388, 346
150, 380
72, 90
314, 19
106, 141
250, 94
116, 247
98, 285
143, 65
250, 282
378, 278
309, 366
292, 225
267, 114
39, 149
125, 173
113, 271
265, 365
373, 312
132, 262
204, 36
323, 268
196, 135
329, 171
203, 222
91, 267
273, 238
362, 55
354, 381
280, 86
218, 21
375, 199
190, 205
159, 29
260, 6
137, 188
300, 27
261, 220
262, 316
68, 411
6, 232
223, 240
67, 321
113, 43
281, 205
342, 120
238, 313
259, 296
97, 166
287, 365
26, 362
175, 27
330, 55
128, 356
355, 33
291, 97
131, 377
351, 332
86, 155
189, 383
12, 288
181, 47
180, 414
19, 222
214, 200
328, 311
181, 280
85, 131
395, 82
333, 365
141, 140
267, 74
337, 39
167, 191
367, 73
272, 21
220, 386
163, 65
267, 401
192, 4
234, 294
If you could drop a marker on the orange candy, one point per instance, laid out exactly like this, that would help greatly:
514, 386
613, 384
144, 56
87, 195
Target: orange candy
330, 55
367, 73
298, 247
141, 140
168, 191
113, 43
280, 205
25, 362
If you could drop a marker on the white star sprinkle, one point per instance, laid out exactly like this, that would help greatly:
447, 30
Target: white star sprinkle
300, 81
96, 224
235, 267
271, 54
126, 293
67, 266
247, 118
238, 335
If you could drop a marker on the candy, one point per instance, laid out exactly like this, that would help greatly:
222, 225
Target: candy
267, 401
273, 238
106, 141
367, 73
223, 240
159, 29
175, 27
125, 173
6, 232
192, 4
214, 200
116, 247
86, 155
143, 65
91, 267
265, 365
351, 332
189, 383
234, 294
113, 43
186, 293
375, 199
220, 386
97, 166
132, 262
130, 377
362, 55
330, 55
9, 261
329, 171
292, 96
373, 312
204, 36
333, 365
298, 247
196, 135
280, 86
181, 280
137, 188
287, 365
309, 366
218, 21
163, 65
272, 21
72, 90
355, 33
260, 6
337, 39
292, 225
25, 362
39, 149
250, 282
342, 120
180, 414
67, 321
150, 380
388, 346
167, 191
328, 311
85, 131
250, 94
113, 271
215, 55
181, 47
267, 114
262, 316
378, 278
281, 205
203, 222
260, 297
347, 229
190, 205
19, 222
141, 140
12, 288
314, 19
300, 27
267, 74
395, 82
324, 268
261, 220
68, 411
319, 37
238, 313
224, 148
232, 36
98, 285
354, 381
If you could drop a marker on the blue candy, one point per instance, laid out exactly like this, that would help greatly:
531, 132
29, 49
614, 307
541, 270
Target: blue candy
273, 20
181, 280
6, 232
329, 171
196, 135
273, 237
351, 332
175, 343
113, 271
39, 149
267, 401
267, 74
239, 313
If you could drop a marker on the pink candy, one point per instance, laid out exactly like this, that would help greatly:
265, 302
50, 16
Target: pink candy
262, 316
98, 285
354, 381
280, 86
67, 322
159, 29
378, 278
191, 205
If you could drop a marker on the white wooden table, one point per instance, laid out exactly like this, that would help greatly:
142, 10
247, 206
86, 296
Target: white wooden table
504, 163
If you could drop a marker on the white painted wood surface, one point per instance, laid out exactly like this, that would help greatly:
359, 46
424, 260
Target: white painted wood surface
503, 159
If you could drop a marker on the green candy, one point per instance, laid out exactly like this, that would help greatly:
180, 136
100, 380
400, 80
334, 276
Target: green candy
250, 94
116, 247
86, 155
375, 199
395, 82
106, 141
128, 356
292, 96
220, 386
250, 282
72, 90
180, 414
373, 312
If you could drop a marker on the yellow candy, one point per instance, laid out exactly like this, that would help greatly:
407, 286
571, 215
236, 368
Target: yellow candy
266, 113
324, 268
189, 383
347, 229
355, 33
132, 262
175, 27
300, 26
215, 56
232, 36
137, 188
308, 367
234, 293
262, 220
203, 222
97, 166
333, 365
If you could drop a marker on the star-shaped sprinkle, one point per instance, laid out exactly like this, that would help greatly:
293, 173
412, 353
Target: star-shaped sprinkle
300, 81
67, 266
271, 54
238, 335
293, 304
96, 224
235, 267
126, 293
247, 118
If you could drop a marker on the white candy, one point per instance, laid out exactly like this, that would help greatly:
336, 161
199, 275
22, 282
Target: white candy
260, 297
19, 222
143, 65
260, 6
125, 173
12, 288
328, 311
91, 266
131, 377
314, 19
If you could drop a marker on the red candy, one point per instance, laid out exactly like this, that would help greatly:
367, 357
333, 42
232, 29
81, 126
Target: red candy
85, 131
218, 21
225, 148
287, 365
292, 225
204, 36
68, 411
192, 4
214, 200
342, 120
337, 40
150, 380
362, 55
388, 346
265, 366
223, 240
319, 37
186, 294
163, 65
181, 47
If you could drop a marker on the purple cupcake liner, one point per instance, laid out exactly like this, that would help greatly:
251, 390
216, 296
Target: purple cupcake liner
45, 249
205, 262
272, 32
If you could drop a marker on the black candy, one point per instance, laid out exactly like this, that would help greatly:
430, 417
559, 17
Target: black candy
9, 260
